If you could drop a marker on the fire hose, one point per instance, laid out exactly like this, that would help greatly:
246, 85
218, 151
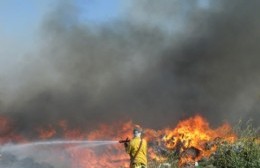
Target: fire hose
124, 140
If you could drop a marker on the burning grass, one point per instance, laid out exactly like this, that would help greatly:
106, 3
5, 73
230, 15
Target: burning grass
191, 142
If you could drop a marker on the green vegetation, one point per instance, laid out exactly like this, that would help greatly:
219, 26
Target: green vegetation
244, 153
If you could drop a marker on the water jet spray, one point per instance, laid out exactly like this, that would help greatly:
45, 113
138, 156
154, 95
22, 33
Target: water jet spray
85, 143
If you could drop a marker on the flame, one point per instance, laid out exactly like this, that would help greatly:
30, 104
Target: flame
192, 139
7, 133
195, 135
46, 133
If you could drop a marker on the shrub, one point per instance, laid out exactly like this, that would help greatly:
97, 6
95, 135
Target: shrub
244, 153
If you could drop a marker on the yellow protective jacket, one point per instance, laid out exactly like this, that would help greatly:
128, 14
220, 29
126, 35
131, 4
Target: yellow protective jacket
131, 149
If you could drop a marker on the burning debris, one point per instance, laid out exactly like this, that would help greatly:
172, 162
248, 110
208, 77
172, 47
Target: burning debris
190, 141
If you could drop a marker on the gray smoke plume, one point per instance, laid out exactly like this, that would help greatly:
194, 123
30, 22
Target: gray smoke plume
11, 161
160, 62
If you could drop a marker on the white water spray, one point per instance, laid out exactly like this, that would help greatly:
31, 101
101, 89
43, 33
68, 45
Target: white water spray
15, 147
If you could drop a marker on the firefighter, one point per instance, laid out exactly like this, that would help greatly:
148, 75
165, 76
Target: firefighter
137, 149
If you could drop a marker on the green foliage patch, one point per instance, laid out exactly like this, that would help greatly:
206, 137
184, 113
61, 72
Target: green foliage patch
244, 153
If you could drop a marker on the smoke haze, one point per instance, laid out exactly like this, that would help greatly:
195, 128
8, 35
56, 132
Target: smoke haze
159, 62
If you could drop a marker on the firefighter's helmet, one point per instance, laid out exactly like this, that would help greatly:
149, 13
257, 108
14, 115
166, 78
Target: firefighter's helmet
138, 129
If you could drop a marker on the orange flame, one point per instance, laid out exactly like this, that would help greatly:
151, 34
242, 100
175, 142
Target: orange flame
196, 135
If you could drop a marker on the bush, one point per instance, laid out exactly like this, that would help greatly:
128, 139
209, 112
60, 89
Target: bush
244, 153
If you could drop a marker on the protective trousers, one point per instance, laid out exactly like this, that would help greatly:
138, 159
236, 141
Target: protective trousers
136, 165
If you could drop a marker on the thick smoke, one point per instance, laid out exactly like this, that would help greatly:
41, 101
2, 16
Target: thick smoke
159, 62
11, 161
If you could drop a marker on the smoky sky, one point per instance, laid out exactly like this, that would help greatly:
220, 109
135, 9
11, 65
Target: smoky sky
157, 63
